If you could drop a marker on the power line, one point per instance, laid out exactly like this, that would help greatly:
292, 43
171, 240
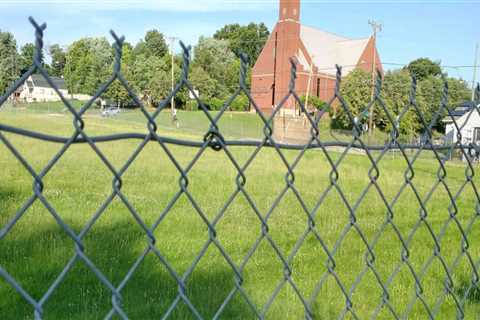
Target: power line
400, 64
287, 38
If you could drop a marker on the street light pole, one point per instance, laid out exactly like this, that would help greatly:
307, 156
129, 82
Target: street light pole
172, 53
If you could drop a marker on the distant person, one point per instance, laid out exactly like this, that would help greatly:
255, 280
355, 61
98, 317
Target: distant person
175, 118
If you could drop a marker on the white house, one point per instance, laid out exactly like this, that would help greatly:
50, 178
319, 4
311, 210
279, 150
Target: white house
468, 120
37, 89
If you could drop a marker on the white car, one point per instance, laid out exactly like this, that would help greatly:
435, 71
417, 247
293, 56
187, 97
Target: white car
108, 112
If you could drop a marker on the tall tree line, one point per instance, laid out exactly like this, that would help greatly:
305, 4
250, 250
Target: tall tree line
88, 62
15, 61
396, 88
8, 60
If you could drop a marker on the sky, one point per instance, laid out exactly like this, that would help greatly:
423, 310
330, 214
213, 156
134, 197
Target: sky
443, 30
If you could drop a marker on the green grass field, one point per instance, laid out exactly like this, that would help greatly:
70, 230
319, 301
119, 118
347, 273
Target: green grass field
36, 250
234, 125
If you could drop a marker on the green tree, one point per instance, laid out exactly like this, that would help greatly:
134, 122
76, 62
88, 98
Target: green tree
116, 91
214, 58
356, 90
423, 68
9, 60
151, 78
249, 39
153, 44
430, 93
396, 86
140, 70
459, 91
429, 97
396, 96
58, 57
314, 102
88, 65
204, 83
27, 52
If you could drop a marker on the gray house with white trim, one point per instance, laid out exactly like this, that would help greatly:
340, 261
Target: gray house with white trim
468, 120
37, 89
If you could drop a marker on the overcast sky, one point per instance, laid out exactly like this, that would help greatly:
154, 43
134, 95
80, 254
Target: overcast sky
440, 30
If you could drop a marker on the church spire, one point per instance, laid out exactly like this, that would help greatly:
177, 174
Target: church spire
289, 10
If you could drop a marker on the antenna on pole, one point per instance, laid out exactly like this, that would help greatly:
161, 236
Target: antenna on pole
376, 27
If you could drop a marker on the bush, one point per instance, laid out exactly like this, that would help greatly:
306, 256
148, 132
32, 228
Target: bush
191, 105
214, 104
181, 99
241, 103
314, 103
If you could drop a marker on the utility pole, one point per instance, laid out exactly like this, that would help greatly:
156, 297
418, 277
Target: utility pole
172, 53
15, 74
475, 66
376, 27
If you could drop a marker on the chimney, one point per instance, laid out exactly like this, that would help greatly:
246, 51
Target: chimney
289, 10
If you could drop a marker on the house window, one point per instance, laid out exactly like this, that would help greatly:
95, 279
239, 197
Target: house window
318, 88
284, 11
294, 12
476, 135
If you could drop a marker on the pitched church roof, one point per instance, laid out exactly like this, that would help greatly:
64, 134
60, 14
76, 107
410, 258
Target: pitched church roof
329, 49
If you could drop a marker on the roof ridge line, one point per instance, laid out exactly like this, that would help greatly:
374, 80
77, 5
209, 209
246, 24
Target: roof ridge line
331, 33
356, 39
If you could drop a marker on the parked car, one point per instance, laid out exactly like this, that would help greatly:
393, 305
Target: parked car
111, 111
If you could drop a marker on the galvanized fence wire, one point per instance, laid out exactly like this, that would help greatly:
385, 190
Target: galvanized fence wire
214, 139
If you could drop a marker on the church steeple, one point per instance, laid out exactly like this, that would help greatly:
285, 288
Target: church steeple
289, 10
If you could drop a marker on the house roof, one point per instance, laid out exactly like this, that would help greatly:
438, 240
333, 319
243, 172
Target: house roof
460, 110
39, 81
328, 49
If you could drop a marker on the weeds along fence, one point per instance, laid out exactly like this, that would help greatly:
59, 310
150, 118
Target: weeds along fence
459, 296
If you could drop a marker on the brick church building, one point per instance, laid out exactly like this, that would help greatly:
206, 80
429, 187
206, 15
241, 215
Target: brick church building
310, 47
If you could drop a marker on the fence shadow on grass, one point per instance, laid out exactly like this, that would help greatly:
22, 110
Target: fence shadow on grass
148, 295
6, 194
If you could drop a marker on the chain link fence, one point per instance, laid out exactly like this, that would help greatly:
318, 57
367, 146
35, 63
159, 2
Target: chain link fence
381, 306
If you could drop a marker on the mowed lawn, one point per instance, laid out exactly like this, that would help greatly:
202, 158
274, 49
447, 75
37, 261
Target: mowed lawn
235, 125
36, 249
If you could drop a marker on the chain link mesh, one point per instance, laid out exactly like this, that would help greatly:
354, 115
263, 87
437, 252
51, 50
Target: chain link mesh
213, 139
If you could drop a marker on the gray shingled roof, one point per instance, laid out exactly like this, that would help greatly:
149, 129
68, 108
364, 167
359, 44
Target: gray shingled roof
460, 110
463, 108
39, 81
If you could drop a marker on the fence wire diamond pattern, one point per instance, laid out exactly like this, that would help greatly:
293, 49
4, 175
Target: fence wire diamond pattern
213, 139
